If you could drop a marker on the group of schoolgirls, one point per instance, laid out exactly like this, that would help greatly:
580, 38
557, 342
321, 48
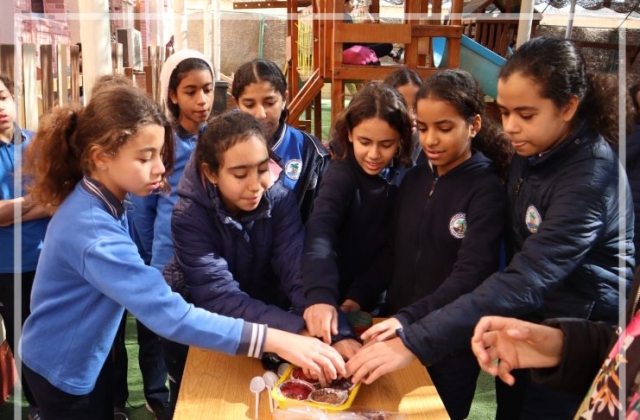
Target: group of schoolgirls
566, 256
84, 163
252, 278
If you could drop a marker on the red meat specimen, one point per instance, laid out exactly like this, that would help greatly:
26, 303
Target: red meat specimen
296, 390
298, 373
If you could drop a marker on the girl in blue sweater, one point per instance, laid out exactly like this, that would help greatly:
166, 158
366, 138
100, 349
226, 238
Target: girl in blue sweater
187, 87
84, 163
449, 221
186, 84
348, 231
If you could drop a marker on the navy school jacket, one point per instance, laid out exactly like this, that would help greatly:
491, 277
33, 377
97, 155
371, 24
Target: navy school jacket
348, 235
562, 244
448, 235
247, 267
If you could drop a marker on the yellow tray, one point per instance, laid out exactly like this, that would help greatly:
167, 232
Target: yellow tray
284, 402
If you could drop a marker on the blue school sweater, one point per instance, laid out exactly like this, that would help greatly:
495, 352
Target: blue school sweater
152, 214
32, 231
88, 272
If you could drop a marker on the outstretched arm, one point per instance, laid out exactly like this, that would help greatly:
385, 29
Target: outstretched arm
209, 280
320, 272
451, 327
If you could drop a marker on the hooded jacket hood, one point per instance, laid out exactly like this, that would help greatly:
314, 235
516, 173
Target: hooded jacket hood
170, 65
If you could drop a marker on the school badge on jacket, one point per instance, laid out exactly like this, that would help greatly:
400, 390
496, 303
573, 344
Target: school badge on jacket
293, 168
532, 218
458, 225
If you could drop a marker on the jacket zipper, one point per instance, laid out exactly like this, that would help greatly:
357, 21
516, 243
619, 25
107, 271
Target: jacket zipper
422, 221
523, 175
307, 182
519, 186
433, 186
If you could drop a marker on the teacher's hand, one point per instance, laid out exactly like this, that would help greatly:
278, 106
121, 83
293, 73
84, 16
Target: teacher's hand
503, 344
377, 359
322, 321
320, 360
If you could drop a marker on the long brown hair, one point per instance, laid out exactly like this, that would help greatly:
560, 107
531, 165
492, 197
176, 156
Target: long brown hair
61, 152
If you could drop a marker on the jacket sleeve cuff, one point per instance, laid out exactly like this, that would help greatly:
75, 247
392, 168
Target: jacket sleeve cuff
360, 296
577, 368
321, 295
252, 340
344, 329
402, 334
404, 319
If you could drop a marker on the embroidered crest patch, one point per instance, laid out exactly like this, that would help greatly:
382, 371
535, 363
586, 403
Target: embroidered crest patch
533, 219
458, 225
293, 168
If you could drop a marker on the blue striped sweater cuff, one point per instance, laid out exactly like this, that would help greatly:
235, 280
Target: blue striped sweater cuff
252, 340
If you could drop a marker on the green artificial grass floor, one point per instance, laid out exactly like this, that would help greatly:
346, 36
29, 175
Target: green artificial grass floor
136, 404
483, 407
484, 401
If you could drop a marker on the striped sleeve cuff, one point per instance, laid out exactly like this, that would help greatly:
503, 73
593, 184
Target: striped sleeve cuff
252, 340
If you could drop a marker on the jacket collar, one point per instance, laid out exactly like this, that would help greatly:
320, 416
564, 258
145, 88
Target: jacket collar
581, 134
18, 136
280, 133
95, 188
184, 134
477, 158
388, 174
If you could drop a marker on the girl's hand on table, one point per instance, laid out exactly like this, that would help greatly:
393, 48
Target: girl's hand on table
381, 331
322, 321
347, 347
316, 358
377, 359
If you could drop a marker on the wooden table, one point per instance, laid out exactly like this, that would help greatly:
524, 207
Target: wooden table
216, 387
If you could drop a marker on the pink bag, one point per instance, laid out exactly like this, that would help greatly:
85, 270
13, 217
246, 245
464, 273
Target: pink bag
359, 54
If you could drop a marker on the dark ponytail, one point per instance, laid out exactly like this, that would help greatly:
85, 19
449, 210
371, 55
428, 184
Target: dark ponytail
495, 145
600, 105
